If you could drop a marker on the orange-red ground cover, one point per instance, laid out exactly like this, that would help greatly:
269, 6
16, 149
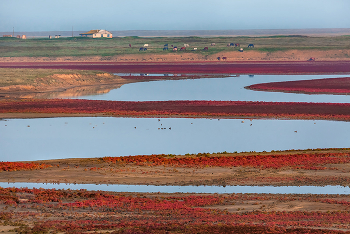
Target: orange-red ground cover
19, 166
299, 110
329, 85
281, 168
79, 211
316, 161
199, 67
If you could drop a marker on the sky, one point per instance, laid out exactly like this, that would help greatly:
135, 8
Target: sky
115, 15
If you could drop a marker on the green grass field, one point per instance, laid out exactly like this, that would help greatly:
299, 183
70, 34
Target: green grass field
79, 46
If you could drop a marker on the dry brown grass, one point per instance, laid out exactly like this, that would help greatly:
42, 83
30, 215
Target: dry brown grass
35, 77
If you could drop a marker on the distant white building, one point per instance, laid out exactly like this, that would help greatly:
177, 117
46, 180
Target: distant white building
97, 34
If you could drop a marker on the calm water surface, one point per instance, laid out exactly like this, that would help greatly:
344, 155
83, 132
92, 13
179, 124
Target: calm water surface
225, 89
191, 189
53, 138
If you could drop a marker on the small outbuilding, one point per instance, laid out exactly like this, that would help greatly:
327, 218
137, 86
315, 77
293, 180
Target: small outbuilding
22, 37
97, 34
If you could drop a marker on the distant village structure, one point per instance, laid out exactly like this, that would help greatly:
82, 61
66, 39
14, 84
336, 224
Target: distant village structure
97, 34
56, 36
18, 36
22, 37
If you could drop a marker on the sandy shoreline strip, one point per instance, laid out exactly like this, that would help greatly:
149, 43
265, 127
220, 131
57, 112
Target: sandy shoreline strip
102, 171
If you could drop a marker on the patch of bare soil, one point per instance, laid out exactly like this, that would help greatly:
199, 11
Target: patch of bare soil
97, 171
274, 204
61, 211
64, 85
102, 173
7, 229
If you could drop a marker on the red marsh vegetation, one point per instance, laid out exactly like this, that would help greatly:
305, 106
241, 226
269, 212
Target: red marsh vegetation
81, 211
279, 168
228, 109
19, 166
312, 161
316, 86
253, 67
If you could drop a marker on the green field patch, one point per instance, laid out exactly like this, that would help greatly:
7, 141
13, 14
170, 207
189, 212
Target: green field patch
82, 46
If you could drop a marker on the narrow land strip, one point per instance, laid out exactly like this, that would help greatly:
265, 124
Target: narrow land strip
335, 86
193, 109
49, 210
301, 167
49, 83
198, 67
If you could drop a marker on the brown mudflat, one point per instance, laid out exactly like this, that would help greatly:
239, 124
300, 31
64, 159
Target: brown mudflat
99, 171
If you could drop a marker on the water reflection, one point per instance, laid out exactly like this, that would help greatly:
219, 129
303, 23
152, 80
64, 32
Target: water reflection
190, 189
229, 88
173, 75
69, 92
53, 138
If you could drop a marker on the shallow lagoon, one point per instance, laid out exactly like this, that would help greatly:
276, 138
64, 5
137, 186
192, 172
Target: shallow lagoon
190, 189
225, 89
35, 139
54, 138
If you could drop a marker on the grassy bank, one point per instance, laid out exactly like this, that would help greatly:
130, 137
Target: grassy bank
22, 76
78, 46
